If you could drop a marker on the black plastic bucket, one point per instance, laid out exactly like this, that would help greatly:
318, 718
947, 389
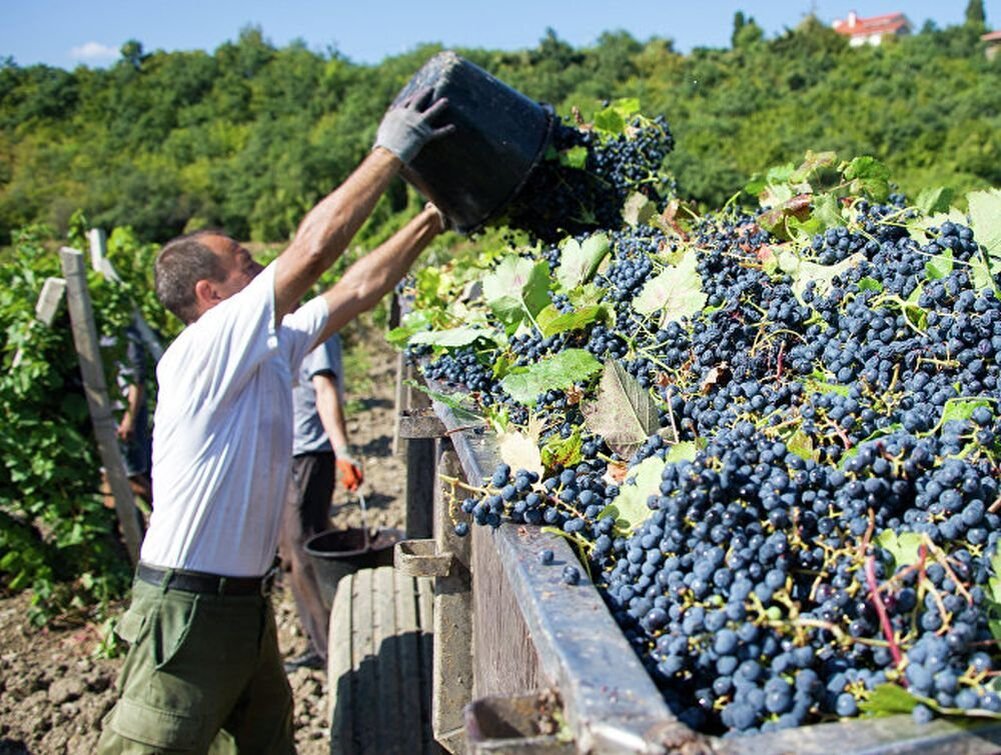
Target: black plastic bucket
500, 136
337, 553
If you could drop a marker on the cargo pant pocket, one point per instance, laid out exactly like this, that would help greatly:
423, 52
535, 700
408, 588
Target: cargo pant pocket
130, 625
172, 624
156, 727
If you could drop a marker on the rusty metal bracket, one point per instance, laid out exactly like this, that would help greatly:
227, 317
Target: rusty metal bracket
420, 558
420, 423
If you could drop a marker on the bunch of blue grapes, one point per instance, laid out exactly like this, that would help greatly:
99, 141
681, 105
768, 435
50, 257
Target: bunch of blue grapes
559, 199
461, 368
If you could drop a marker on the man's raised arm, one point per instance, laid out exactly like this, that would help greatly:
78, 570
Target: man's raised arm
374, 275
327, 229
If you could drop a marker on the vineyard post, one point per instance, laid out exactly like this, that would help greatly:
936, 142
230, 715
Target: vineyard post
45, 308
100, 262
92, 370
394, 321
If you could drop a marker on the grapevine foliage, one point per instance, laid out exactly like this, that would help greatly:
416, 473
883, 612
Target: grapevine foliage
56, 536
783, 477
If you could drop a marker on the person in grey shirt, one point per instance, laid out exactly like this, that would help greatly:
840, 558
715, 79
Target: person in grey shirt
319, 446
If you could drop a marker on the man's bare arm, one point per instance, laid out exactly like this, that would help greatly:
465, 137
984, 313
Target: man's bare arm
327, 229
330, 410
374, 275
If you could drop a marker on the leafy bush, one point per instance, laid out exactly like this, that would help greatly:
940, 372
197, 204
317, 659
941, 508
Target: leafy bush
56, 536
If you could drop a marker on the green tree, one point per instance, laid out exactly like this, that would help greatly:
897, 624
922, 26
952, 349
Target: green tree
739, 22
975, 15
748, 34
132, 53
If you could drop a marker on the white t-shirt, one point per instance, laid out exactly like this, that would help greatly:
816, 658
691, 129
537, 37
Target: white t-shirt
222, 433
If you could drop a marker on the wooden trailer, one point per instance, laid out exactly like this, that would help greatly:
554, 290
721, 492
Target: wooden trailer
513, 660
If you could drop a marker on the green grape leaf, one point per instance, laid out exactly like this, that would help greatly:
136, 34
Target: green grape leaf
888, 699
868, 176
502, 365
996, 569
429, 283
775, 195
457, 402
981, 276
629, 507
575, 157
451, 338
638, 209
915, 313
824, 275
772, 188
623, 413
801, 444
555, 373
939, 266
818, 383
869, 284
552, 321
413, 322
995, 627
682, 451
904, 548
994, 596
578, 262
518, 287
812, 164
934, 199
676, 292
560, 451
776, 219
960, 408
769, 260
586, 295
827, 210
985, 219
613, 119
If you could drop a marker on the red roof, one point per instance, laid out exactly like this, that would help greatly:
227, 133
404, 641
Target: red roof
888, 23
991, 36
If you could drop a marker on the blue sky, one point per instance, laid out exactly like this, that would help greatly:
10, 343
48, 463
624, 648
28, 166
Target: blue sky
67, 33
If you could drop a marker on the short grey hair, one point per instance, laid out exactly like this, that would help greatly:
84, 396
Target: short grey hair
180, 265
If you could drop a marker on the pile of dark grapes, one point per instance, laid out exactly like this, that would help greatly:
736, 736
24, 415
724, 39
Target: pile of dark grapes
835, 527
558, 199
765, 591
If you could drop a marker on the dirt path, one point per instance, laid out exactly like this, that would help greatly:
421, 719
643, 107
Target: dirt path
54, 690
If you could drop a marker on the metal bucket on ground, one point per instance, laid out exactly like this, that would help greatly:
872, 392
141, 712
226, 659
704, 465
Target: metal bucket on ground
500, 136
336, 553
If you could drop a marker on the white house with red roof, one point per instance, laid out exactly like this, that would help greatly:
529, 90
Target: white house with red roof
872, 30
992, 40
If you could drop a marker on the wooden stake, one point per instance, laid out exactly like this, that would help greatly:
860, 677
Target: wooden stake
100, 262
92, 370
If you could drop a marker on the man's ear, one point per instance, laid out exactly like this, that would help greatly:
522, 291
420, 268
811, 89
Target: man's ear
206, 295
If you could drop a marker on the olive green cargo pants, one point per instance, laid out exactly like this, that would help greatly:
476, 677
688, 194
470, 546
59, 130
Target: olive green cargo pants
199, 664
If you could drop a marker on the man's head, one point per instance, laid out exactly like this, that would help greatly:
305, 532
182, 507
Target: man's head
197, 271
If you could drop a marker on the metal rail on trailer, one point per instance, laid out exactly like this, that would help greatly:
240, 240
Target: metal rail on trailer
522, 629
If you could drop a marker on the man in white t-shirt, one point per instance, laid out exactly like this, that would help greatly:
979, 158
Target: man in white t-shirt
204, 654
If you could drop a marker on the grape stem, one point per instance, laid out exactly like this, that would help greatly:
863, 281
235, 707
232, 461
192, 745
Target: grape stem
884, 618
455, 482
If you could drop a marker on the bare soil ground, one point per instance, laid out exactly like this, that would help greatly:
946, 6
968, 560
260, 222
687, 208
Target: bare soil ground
55, 689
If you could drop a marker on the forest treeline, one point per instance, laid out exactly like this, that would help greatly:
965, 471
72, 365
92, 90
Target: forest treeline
248, 137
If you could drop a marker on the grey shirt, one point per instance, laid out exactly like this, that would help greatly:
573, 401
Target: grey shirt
308, 435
